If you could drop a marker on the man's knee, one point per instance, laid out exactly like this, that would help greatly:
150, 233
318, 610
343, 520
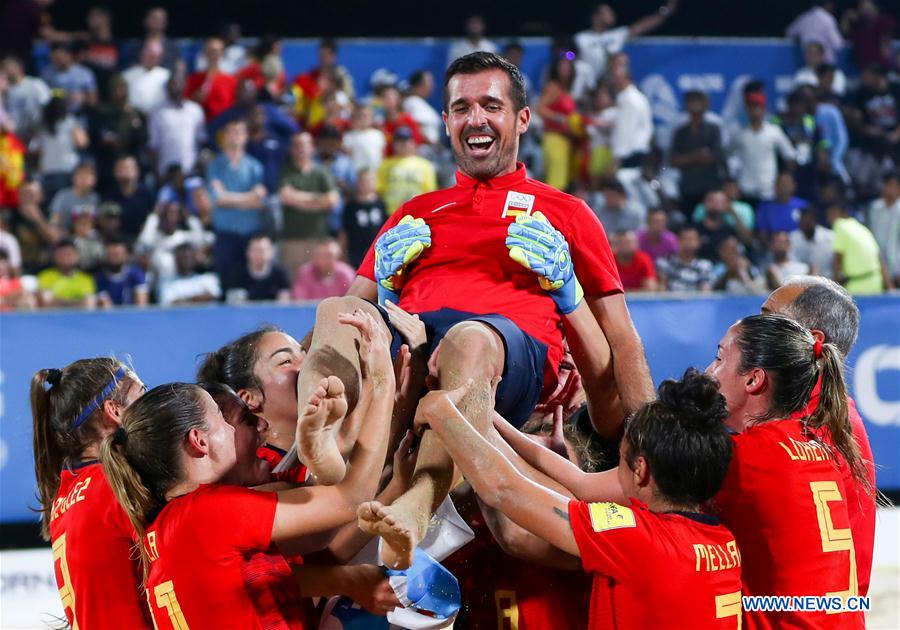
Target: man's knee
471, 341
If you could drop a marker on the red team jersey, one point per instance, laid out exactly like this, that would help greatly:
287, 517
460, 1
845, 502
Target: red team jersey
785, 501
212, 564
274, 455
468, 267
657, 570
499, 592
94, 555
860, 502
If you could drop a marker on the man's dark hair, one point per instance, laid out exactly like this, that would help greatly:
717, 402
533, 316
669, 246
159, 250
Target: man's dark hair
612, 184
117, 239
329, 43
417, 78
891, 176
63, 242
825, 68
513, 45
686, 227
753, 86
825, 305
476, 62
683, 438
696, 95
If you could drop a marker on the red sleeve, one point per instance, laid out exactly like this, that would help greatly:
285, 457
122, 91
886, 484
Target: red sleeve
594, 262
194, 80
236, 517
418, 138
730, 494
610, 537
367, 267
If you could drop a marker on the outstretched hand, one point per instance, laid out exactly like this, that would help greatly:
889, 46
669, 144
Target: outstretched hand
374, 345
439, 405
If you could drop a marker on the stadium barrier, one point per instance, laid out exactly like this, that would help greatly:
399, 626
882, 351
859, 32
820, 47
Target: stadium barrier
165, 344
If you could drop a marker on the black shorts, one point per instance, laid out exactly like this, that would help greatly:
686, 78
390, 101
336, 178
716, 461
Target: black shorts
523, 364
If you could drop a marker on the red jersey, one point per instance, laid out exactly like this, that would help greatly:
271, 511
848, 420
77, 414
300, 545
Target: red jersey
274, 455
784, 499
499, 591
94, 555
860, 502
402, 120
657, 570
212, 564
639, 269
468, 267
220, 95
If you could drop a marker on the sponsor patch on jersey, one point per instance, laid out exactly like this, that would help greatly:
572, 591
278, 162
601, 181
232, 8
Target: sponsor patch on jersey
607, 516
517, 204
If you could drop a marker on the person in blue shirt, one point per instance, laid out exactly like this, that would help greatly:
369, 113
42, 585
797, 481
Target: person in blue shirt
238, 196
118, 282
782, 214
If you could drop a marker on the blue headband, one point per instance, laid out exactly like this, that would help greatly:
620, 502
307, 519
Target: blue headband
98, 399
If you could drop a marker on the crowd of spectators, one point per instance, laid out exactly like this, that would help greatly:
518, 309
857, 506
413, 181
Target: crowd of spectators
151, 178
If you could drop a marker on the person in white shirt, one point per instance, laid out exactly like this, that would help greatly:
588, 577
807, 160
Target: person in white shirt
188, 286
164, 230
364, 143
235, 56
757, 147
783, 265
24, 98
421, 85
884, 221
474, 41
175, 129
633, 128
811, 243
817, 24
814, 57
597, 44
147, 79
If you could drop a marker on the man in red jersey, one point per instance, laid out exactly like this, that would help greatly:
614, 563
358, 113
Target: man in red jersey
825, 307
213, 89
489, 315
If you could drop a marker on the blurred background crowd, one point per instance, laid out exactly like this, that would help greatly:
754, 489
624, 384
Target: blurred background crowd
132, 174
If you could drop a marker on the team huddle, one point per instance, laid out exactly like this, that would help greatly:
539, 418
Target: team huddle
484, 352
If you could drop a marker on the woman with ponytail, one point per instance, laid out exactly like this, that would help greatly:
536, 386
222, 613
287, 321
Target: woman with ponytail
784, 497
656, 561
73, 410
206, 545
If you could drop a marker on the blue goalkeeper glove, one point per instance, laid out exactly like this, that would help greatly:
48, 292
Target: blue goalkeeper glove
538, 246
394, 251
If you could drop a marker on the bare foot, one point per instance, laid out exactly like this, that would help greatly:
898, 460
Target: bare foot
400, 536
316, 432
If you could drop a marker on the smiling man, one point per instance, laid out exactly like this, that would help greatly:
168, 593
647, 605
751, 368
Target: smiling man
486, 310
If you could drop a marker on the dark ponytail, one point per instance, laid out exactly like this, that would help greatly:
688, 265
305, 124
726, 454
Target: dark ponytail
66, 411
832, 413
142, 459
683, 438
792, 357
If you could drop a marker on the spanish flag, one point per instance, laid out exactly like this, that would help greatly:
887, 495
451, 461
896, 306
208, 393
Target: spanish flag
12, 169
